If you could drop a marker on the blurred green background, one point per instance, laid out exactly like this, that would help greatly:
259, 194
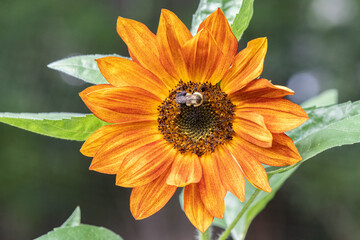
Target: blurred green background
313, 46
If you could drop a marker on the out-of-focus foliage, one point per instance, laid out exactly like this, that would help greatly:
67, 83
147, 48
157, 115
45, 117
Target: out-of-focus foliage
313, 46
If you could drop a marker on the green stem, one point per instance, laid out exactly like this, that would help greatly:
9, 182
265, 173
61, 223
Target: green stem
281, 170
227, 231
206, 235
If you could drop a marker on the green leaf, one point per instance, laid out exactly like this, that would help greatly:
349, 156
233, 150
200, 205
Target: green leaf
70, 126
73, 230
326, 98
237, 12
242, 19
74, 219
81, 232
230, 8
327, 127
83, 67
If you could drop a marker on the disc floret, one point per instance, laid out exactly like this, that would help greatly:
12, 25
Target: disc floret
196, 117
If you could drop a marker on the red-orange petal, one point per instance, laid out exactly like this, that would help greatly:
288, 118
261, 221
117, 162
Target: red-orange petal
122, 104
230, 172
145, 164
150, 198
280, 115
124, 72
185, 169
251, 167
130, 136
251, 127
143, 47
203, 58
212, 191
283, 151
247, 66
260, 88
195, 209
220, 29
171, 35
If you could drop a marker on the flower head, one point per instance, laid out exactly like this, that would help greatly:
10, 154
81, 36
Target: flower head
189, 111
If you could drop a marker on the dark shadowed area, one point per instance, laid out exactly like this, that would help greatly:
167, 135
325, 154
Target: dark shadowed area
313, 46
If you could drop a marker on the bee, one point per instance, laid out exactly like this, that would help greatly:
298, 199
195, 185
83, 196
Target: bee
189, 99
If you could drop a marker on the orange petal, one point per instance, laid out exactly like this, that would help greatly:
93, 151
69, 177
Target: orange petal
252, 169
133, 57
171, 35
260, 88
91, 89
247, 66
95, 88
99, 138
251, 127
106, 133
122, 104
129, 137
212, 191
150, 198
280, 115
230, 172
124, 72
143, 46
220, 29
145, 164
194, 208
283, 151
186, 169
203, 58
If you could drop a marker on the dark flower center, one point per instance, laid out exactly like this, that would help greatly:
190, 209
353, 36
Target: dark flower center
196, 117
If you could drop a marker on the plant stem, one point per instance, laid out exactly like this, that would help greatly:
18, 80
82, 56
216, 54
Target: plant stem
281, 170
227, 231
206, 235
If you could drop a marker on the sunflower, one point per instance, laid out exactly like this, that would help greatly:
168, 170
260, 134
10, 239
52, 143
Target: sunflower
189, 111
